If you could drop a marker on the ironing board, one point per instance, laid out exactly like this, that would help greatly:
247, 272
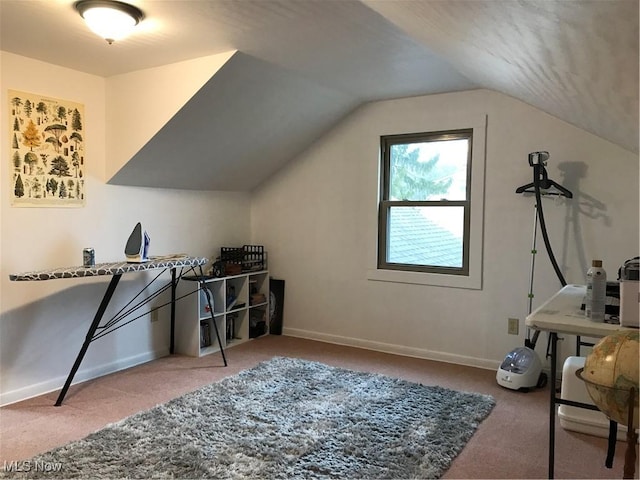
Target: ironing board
116, 270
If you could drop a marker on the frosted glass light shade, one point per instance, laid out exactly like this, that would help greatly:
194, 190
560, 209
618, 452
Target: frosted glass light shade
110, 19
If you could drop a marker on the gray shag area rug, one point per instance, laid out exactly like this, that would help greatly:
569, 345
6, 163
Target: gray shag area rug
285, 418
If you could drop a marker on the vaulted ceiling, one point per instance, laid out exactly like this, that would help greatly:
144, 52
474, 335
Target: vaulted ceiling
304, 64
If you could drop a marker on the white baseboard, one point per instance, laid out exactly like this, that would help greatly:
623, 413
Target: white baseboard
54, 384
392, 348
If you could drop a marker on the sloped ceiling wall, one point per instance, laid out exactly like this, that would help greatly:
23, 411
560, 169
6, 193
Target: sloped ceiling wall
248, 120
575, 60
141, 102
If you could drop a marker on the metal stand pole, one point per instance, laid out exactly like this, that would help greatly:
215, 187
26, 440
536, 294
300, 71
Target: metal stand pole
553, 336
611, 444
531, 343
632, 439
533, 256
172, 342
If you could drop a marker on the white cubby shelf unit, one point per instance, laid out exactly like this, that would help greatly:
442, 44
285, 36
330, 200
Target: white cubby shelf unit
240, 310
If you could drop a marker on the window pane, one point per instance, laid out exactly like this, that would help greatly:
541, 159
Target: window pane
430, 236
431, 170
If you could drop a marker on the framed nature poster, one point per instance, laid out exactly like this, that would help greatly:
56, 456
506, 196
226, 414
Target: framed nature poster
46, 143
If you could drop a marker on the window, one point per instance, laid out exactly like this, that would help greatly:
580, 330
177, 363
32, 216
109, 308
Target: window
424, 213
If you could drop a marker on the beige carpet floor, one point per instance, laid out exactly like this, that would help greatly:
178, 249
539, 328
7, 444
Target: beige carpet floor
510, 443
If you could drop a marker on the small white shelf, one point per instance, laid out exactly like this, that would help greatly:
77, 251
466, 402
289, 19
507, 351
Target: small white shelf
236, 325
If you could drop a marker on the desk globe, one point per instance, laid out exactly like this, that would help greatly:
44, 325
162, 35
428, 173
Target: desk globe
610, 372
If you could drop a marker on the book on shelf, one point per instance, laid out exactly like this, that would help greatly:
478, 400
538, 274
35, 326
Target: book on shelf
205, 334
231, 302
232, 298
231, 327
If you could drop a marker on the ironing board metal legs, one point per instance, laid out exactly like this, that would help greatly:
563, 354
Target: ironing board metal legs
90, 335
204, 288
116, 269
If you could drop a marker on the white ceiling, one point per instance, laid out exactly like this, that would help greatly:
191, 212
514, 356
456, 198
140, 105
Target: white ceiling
575, 59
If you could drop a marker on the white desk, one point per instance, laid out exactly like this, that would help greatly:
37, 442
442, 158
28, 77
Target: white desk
562, 314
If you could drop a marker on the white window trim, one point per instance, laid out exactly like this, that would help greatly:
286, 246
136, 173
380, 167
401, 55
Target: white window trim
474, 279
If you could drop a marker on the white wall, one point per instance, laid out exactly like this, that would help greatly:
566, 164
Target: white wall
317, 218
43, 324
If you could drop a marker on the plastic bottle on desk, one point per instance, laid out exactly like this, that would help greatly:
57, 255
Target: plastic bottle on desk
596, 292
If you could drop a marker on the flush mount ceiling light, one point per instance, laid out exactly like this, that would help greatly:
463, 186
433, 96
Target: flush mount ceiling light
110, 19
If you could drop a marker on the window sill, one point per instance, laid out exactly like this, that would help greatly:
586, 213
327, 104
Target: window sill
472, 282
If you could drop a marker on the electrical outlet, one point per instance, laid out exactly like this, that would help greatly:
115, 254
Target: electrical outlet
154, 316
513, 326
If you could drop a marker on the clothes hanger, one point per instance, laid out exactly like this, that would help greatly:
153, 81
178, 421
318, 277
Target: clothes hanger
545, 183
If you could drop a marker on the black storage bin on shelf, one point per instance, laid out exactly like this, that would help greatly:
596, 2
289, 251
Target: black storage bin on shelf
257, 322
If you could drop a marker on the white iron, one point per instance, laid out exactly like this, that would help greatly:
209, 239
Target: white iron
137, 247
